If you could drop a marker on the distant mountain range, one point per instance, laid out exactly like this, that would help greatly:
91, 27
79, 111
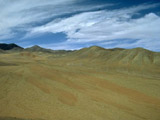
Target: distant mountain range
36, 48
116, 55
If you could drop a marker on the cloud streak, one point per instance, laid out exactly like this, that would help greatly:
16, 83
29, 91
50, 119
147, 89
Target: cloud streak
25, 14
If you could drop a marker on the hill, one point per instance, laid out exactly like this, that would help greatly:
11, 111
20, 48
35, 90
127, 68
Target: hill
138, 56
130, 61
37, 48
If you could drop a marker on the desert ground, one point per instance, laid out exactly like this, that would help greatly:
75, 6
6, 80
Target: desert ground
89, 84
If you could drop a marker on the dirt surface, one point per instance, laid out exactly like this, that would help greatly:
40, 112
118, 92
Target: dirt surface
39, 86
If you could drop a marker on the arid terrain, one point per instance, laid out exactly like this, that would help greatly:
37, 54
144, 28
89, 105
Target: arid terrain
88, 84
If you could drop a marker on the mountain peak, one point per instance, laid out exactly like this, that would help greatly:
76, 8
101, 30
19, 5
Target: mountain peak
95, 47
36, 46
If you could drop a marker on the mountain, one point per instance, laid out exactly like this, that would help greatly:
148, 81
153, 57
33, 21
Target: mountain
37, 48
12, 46
129, 61
133, 56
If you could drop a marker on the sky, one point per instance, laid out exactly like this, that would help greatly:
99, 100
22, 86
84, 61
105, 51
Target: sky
75, 24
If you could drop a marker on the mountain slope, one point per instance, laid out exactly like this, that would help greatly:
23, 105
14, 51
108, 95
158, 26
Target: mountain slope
137, 61
126, 56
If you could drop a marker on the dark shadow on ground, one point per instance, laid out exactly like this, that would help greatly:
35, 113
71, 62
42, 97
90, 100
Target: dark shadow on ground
7, 64
14, 118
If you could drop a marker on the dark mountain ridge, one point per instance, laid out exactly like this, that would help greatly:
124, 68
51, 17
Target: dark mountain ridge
11, 46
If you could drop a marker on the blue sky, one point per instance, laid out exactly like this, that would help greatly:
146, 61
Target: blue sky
74, 24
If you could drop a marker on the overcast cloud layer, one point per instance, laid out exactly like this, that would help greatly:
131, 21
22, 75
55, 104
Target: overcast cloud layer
82, 24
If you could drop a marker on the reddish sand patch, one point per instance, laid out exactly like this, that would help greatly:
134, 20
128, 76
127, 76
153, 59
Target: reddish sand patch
39, 85
66, 97
130, 93
55, 76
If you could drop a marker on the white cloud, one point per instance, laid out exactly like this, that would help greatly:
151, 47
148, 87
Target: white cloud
108, 25
25, 13
62, 46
